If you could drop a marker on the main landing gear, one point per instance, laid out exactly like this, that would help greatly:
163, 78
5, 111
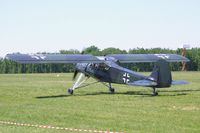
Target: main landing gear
81, 79
111, 89
79, 83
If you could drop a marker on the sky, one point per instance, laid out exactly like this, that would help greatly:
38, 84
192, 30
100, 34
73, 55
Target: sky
30, 26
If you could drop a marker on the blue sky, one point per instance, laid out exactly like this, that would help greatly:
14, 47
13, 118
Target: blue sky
30, 26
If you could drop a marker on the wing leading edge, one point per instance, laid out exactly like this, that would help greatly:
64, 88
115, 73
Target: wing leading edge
52, 58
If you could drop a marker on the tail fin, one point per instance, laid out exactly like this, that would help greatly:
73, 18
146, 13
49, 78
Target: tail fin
162, 74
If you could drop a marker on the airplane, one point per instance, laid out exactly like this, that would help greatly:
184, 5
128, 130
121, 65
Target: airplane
106, 69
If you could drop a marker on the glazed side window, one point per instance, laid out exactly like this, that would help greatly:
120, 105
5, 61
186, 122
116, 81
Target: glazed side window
100, 66
104, 67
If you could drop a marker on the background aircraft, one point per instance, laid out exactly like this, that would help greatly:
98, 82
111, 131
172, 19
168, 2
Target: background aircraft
106, 69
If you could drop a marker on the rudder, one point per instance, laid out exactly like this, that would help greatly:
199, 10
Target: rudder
162, 74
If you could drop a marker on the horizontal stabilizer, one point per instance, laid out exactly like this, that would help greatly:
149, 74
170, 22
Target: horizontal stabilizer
52, 58
179, 82
145, 83
129, 58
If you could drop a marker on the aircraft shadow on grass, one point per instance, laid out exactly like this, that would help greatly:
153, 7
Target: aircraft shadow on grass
141, 93
52, 96
193, 90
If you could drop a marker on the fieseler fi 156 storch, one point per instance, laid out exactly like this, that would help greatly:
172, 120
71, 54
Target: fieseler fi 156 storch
106, 69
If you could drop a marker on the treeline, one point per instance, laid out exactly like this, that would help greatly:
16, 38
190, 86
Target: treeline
7, 66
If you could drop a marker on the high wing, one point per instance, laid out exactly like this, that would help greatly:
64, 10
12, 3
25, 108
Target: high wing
52, 58
129, 58
79, 58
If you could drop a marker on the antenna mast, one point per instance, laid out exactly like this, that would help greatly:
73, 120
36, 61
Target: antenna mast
184, 50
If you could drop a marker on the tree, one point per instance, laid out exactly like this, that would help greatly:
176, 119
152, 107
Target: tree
71, 51
92, 50
112, 50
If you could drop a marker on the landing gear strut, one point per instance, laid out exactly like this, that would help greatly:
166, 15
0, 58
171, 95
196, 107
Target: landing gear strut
81, 79
112, 90
155, 93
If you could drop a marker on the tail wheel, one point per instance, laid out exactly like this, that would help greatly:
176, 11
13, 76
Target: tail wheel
155, 93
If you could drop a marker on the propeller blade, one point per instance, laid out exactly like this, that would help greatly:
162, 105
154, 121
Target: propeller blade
83, 52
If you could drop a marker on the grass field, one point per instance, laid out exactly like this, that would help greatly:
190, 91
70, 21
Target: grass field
42, 99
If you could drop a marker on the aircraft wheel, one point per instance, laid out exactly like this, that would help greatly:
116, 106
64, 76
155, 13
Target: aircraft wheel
70, 91
155, 94
112, 90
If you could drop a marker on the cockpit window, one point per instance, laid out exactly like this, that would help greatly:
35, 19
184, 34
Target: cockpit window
103, 66
100, 66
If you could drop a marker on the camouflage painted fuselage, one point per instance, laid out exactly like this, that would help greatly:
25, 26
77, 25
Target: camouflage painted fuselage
109, 72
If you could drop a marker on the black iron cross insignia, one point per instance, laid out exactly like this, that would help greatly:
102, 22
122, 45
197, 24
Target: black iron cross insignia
126, 77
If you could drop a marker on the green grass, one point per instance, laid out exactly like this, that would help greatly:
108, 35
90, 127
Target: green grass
42, 99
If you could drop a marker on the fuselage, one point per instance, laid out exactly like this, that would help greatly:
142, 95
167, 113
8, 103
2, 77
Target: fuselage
109, 72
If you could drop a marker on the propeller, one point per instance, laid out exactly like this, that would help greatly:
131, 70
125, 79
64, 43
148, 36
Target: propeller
76, 71
83, 52
75, 74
